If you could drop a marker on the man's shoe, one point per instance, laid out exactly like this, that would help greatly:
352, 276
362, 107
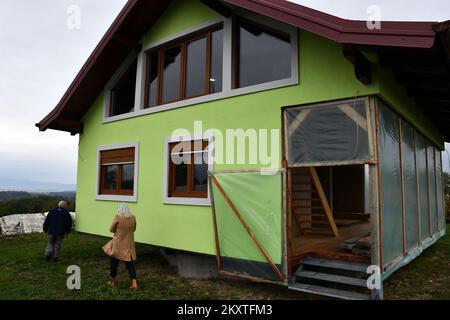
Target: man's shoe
134, 284
55, 259
48, 258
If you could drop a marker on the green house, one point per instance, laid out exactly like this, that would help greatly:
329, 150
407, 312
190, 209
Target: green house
281, 143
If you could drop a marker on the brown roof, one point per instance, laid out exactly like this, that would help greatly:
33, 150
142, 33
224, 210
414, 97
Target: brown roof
418, 53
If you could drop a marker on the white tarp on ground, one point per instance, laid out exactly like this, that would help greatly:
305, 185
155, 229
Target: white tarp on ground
23, 223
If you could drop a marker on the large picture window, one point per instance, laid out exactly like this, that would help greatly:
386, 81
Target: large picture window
117, 171
261, 55
188, 169
188, 68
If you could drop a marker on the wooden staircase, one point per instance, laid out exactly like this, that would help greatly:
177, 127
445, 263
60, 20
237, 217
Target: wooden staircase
309, 205
333, 278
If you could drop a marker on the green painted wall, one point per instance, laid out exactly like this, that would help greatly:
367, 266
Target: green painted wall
324, 75
179, 16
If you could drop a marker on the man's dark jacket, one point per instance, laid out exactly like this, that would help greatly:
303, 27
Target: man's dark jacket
58, 222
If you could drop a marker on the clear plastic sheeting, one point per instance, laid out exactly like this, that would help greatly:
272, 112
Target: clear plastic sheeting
23, 223
432, 189
258, 199
411, 203
424, 210
410, 187
391, 195
326, 134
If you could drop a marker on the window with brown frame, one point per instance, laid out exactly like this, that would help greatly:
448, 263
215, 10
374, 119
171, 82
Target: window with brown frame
185, 69
117, 172
188, 169
260, 54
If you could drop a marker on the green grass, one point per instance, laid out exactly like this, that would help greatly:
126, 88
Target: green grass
426, 277
24, 274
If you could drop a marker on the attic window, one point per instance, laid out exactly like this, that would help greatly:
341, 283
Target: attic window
122, 94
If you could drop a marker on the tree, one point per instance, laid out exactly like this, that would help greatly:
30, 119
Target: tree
446, 178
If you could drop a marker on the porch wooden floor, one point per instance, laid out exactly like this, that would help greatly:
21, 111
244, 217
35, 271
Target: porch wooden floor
304, 244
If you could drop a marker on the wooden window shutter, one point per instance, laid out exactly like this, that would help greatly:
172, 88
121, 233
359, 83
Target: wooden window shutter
117, 156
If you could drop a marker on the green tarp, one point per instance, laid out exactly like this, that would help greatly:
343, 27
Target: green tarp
258, 198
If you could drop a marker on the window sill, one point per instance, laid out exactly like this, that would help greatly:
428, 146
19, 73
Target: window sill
207, 98
206, 202
113, 197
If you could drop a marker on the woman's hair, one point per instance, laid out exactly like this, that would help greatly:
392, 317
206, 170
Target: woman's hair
124, 210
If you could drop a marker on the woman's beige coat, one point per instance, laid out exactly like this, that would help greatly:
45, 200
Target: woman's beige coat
122, 245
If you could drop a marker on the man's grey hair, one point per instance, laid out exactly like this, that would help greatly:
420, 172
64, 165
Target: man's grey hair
62, 204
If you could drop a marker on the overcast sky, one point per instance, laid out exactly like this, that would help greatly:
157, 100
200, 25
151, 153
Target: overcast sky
40, 56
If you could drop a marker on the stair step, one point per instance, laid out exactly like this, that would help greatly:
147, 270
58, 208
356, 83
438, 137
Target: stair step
319, 224
322, 232
335, 265
332, 278
329, 292
319, 217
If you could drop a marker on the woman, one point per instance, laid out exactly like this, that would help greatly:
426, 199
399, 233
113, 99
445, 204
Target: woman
121, 247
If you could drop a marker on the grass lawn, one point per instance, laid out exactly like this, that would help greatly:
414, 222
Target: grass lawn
24, 274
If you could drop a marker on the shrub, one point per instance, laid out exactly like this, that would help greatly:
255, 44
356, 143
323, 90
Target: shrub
33, 204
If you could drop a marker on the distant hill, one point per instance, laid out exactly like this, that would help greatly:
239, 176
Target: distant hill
16, 195
24, 202
11, 195
34, 186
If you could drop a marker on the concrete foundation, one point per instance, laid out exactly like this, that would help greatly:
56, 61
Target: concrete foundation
190, 265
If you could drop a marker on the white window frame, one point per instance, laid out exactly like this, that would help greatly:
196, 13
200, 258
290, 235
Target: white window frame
183, 200
227, 90
114, 197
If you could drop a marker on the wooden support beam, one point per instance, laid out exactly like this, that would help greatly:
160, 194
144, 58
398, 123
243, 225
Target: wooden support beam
216, 232
218, 6
426, 93
324, 201
423, 80
425, 62
437, 88
363, 70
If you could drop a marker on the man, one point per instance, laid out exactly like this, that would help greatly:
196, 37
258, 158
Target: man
57, 224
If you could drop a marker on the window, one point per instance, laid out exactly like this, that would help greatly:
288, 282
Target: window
117, 171
219, 59
188, 169
122, 94
186, 69
261, 55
